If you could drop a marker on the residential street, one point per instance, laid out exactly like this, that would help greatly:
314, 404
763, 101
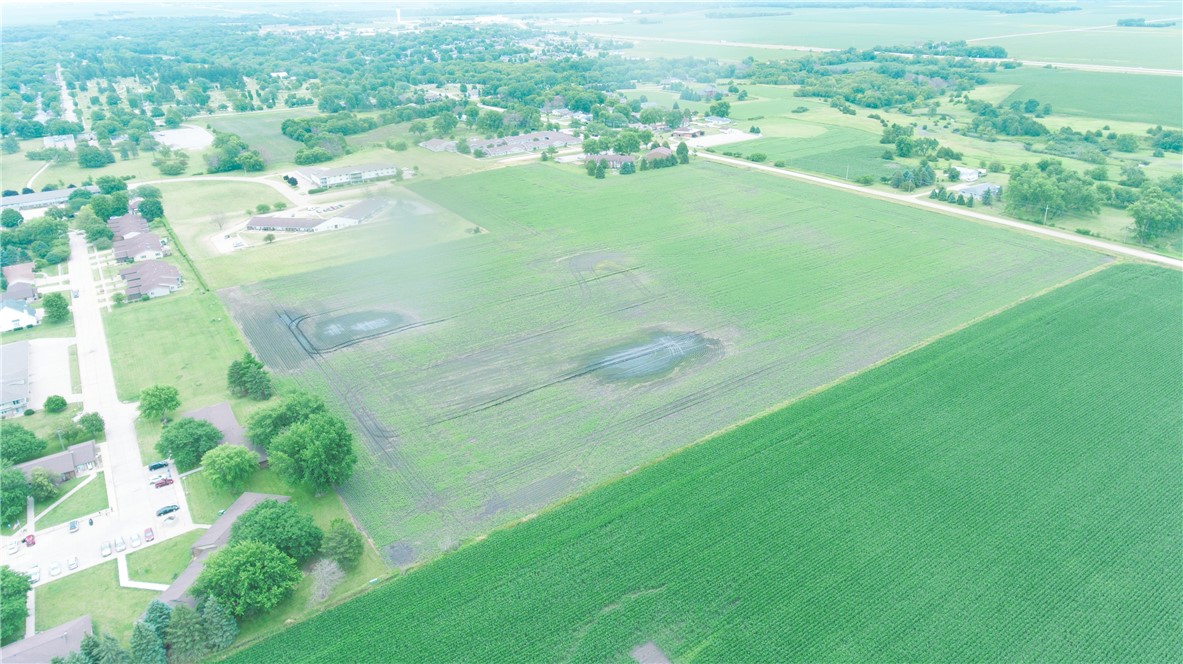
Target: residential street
133, 500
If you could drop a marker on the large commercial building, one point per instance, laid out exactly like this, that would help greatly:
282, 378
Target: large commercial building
332, 177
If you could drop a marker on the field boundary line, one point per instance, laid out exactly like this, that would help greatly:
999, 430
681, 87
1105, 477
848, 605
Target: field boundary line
1101, 246
781, 405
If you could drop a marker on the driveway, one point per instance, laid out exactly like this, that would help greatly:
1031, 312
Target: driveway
49, 370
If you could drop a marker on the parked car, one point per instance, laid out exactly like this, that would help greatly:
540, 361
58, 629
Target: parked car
55, 569
73, 526
170, 520
149, 534
156, 478
14, 547
106, 549
157, 465
72, 562
167, 509
34, 573
163, 483
121, 545
135, 540
75, 293
30, 540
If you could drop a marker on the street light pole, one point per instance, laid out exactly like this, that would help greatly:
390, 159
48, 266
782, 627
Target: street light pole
59, 433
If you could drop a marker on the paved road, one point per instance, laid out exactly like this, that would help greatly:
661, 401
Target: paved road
1093, 243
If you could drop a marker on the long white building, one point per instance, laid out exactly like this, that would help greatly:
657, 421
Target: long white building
332, 177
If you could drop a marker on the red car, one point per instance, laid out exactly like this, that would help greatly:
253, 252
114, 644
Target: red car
149, 535
163, 483
30, 540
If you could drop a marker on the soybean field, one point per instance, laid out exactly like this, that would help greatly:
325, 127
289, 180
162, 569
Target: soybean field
1007, 493
595, 325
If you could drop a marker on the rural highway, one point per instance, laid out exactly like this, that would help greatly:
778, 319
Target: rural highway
1093, 243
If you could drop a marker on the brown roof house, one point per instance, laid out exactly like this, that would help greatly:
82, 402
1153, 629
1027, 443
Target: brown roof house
139, 247
658, 153
127, 226
151, 278
19, 273
215, 537
56, 643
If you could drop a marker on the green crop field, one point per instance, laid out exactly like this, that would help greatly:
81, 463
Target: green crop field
1007, 493
1153, 100
599, 324
839, 152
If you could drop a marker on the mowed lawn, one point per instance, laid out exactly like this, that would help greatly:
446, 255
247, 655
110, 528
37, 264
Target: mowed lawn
484, 410
1008, 493
1150, 99
185, 340
95, 592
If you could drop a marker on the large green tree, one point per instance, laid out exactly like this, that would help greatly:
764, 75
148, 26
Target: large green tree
146, 645
249, 577
14, 592
93, 424
18, 444
159, 400
157, 617
1156, 213
151, 209
57, 309
10, 218
41, 485
185, 635
247, 378
187, 440
281, 525
266, 424
14, 495
220, 627
316, 453
229, 466
342, 543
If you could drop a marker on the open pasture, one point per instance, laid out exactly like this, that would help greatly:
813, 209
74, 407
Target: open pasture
1007, 493
260, 130
839, 152
1152, 100
600, 324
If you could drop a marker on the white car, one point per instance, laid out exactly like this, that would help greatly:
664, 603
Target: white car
72, 562
135, 540
34, 574
170, 520
121, 544
106, 549
55, 569
14, 547
156, 478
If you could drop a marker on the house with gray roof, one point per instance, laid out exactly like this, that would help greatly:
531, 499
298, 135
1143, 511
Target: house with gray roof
20, 273
151, 278
222, 417
139, 247
22, 291
40, 199
65, 465
129, 225
14, 378
52, 644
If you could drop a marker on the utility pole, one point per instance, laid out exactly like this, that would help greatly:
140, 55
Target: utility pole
1045, 209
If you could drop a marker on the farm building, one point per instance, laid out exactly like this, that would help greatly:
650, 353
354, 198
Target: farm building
60, 142
65, 465
53, 644
978, 190
439, 145
129, 225
215, 537
332, 177
40, 199
17, 315
139, 247
151, 278
351, 216
614, 161
969, 174
687, 133
531, 142
14, 378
